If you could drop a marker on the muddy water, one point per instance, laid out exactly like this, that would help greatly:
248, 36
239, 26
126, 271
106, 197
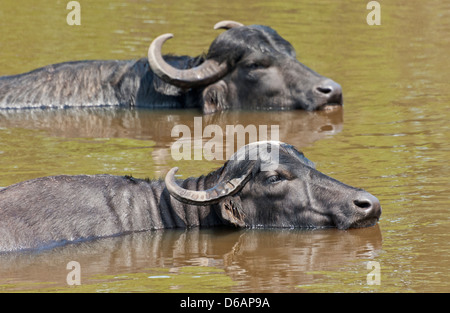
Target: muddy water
391, 138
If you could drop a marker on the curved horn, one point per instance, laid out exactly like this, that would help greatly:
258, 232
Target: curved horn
227, 25
204, 197
206, 73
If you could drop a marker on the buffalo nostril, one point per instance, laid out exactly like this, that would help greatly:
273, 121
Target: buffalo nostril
368, 203
363, 203
330, 90
325, 90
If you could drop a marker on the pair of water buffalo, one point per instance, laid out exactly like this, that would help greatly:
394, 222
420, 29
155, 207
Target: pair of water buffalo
246, 67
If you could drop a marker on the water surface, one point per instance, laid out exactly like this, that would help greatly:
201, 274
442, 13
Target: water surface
391, 138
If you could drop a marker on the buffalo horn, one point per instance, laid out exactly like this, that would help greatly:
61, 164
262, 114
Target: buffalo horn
204, 197
227, 25
206, 73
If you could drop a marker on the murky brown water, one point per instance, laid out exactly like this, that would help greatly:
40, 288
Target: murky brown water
391, 138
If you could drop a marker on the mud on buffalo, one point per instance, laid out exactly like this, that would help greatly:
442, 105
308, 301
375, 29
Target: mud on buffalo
246, 67
253, 189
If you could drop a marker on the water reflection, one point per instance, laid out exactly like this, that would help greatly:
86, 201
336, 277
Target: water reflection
257, 260
303, 128
298, 128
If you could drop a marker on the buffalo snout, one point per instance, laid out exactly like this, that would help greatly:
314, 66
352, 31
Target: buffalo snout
329, 92
368, 207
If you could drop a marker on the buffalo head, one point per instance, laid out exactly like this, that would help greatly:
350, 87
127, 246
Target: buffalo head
249, 67
271, 184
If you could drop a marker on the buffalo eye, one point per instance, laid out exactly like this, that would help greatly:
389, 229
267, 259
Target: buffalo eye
273, 179
256, 65
253, 66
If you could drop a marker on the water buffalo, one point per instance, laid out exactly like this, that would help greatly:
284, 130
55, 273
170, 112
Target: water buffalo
250, 67
253, 189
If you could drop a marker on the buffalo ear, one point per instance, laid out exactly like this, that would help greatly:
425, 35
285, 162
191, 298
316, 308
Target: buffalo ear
214, 97
230, 210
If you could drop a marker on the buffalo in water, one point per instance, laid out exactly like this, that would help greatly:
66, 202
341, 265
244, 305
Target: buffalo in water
246, 67
264, 184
